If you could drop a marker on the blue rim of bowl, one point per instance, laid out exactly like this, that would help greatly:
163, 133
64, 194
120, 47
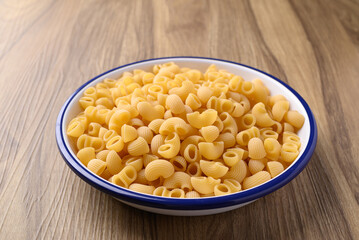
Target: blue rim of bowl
186, 204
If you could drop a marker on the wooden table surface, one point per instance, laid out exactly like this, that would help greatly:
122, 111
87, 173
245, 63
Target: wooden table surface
49, 48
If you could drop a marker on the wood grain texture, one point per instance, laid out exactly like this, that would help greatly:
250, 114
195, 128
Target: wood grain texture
49, 48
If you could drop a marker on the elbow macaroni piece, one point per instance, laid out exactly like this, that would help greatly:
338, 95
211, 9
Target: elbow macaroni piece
204, 185
204, 119
178, 180
137, 187
124, 178
256, 179
158, 168
214, 132
86, 154
209, 133
213, 169
256, 148
138, 147
211, 151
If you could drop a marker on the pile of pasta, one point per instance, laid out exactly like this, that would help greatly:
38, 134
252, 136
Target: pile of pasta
178, 132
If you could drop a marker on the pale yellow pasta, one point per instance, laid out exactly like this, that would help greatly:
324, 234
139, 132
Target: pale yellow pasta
116, 143
141, 178
118, 118
227, 138
277, 127
138, 147
229, 124
125, 177
191, 153
156, 142
94, 129
262, 117
75, 129
221, 189
82, 119
179, 163
86, 154
147, 78
209, 133
177, 193
238, 110
199, 120
274, 168
169, 150
113, 162
260, 93
280, 108
256, 148
102, 155
246, 121
241, 99
194, 139
268, 133
137, 187
146, 133
91, 92
288, 128
174, 124
247, 88
178, 180
192, 194
106, 174
274, 99
232, 156
174, 104
213, 169
256, 179
161, 192
212, 150
147, 158
155, 125
272, 148
204, 94
128, 133
244, 136
108, 135
193, 101
186, 88
194, 170
204, 185
294, 118
238, 171
233, 185
126, 106
158, 168
289, 152
87, 141
175, 132
219, 124
235, 83
149, 112
136, 162
256, 165
289, 137
96, 166
104, 101
168, 114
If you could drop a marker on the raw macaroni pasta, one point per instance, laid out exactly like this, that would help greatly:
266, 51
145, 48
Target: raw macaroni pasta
177, 132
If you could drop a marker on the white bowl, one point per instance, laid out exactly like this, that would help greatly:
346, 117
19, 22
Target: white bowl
200, 206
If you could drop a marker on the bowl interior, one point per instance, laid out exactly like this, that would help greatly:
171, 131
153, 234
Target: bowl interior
247, 73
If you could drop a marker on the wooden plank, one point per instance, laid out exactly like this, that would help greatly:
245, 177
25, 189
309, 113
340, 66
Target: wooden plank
49, 48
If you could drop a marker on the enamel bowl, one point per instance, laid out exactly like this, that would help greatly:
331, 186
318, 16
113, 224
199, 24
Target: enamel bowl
201, 206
